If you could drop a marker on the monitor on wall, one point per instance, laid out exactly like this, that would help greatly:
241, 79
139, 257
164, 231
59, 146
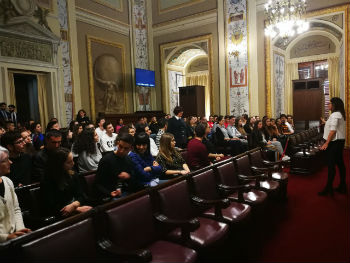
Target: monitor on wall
144, 77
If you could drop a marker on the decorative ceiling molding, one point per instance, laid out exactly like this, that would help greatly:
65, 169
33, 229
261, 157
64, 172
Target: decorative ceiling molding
184, 24
312, 33
185, 56
94, 19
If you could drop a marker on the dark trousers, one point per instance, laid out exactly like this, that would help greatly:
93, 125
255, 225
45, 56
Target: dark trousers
335, 158
236, 147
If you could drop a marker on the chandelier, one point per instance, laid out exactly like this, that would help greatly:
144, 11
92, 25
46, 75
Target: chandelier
284, 18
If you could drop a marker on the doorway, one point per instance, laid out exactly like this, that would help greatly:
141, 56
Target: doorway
26, 93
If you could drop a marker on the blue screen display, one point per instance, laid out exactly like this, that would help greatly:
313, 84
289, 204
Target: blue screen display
144, 77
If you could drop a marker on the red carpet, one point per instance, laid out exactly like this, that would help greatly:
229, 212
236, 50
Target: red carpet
312, 228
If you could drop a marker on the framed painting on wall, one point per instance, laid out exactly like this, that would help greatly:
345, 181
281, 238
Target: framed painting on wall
106, 63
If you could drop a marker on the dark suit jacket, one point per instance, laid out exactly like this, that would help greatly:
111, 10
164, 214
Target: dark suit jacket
4, 116
178, 129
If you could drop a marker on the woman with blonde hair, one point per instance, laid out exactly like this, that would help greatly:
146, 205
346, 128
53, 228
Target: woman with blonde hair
170, 159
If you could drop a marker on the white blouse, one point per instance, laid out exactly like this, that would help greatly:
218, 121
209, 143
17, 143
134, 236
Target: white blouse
10, 213
336, 123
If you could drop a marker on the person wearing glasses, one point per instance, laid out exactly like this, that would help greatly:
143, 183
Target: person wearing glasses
21, 166
11, 221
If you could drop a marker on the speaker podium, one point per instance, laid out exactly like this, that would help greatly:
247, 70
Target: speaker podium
192, 100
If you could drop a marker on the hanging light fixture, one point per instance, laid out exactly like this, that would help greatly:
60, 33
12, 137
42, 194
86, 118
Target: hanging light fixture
284, 18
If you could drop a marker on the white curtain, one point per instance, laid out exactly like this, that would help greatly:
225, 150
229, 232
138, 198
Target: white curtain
12, 89
42, 99
333, 77
291, 74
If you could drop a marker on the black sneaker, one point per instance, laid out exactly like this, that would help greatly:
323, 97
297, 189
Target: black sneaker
326, 192
341, 189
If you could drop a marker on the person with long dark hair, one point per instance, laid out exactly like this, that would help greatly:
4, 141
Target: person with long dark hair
190, 126
248, 127
260, 139
77, 130
87, 150
61, 193
170, 159
82, 117
147, 170
37, 136
334, 134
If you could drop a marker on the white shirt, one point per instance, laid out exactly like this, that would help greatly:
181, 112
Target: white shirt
233, 132
89, 162
154, 149
336, 123
10, 213
289, 127
108, 142
100, 132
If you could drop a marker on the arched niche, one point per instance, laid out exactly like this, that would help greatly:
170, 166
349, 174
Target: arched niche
176, 60
327, 27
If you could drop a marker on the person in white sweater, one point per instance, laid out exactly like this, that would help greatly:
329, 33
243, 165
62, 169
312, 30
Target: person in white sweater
99, 129
87, 149
11, 221
108, 139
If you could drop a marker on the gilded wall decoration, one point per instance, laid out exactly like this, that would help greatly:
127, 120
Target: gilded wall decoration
66, 58
106, 76
279, 73
236, 35
141, 51
238, 98
312, 45
342, 70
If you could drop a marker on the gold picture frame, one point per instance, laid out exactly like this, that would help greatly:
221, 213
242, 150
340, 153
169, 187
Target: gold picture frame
106, 59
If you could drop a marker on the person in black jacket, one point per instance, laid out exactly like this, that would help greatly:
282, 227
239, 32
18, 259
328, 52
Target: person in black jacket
61, 194
82, 118
153, 125
53, 141
115, 169
4, 114
21, 162
177, 127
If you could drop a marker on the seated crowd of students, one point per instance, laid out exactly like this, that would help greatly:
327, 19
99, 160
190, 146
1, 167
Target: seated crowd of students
138, 156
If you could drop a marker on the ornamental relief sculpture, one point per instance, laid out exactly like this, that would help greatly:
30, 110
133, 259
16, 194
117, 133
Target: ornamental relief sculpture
24, 32
25, 49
